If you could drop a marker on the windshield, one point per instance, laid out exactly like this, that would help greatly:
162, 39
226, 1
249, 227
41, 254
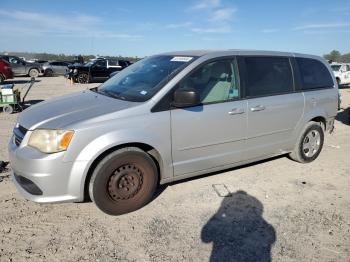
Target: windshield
335, 67
142, 80
89, 63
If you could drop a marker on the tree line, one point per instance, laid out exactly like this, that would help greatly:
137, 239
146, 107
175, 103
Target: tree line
336, 56
63, 57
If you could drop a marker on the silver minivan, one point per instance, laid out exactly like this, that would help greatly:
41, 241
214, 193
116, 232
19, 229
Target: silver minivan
169, 117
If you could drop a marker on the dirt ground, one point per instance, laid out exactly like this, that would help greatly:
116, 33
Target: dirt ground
276, 209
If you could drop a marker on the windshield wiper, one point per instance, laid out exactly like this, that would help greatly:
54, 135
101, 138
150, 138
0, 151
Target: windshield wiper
107, 93
112, 94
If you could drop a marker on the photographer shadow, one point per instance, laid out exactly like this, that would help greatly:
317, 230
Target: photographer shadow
238, 231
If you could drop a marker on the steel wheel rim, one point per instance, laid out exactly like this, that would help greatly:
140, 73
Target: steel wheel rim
125, 182
311, 143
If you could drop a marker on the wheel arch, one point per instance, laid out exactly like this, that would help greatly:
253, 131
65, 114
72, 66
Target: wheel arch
2, 76
31, 68
150, 150
321, 120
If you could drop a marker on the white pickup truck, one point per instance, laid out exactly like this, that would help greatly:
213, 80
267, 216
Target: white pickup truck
341, 72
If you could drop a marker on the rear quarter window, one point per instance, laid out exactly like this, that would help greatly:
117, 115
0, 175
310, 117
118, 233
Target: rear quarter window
313, 74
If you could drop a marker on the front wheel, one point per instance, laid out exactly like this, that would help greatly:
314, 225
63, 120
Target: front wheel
123, 181
338, 81
310, 144
83, 78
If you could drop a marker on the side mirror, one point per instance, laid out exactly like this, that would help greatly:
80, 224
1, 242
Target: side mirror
186, 98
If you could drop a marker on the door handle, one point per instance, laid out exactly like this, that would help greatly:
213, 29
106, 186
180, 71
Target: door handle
236, 111
313, 101
257, 108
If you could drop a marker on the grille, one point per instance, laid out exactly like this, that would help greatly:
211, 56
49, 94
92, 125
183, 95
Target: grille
19, 133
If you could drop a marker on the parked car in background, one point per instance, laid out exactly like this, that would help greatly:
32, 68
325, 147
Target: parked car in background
55, 68
21, 67
169, 117
5, 71
96, 70
341, 72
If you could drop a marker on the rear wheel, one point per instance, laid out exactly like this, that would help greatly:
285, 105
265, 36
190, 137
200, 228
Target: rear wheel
310, 144
123, 181
49, 73
8, 109
33, 72
83, 78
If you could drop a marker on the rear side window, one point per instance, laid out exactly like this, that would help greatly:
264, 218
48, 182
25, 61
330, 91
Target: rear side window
113, 63
101, 63
313, 74
267, 76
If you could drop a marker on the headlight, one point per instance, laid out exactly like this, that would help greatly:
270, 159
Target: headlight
75, 71
50, 140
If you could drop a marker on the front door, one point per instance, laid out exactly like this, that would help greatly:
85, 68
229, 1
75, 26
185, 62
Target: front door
18, 66
212, 134
346, 74
99, 70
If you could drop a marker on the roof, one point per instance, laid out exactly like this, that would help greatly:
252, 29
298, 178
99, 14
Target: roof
235, 52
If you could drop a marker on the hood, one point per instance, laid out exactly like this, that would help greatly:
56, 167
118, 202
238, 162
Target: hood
336, 73
63, 111
76, 65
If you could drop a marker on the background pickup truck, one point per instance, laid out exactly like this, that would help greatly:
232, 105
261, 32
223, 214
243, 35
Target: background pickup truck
97, 70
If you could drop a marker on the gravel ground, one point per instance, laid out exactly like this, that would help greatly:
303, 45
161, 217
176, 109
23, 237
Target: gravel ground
276, 209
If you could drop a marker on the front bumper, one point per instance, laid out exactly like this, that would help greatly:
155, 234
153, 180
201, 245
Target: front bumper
8, 74
46, 178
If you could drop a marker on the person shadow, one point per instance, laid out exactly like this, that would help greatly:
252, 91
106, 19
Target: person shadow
238, 231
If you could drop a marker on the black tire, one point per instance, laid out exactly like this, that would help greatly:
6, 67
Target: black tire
338, 81
306, 154
8, 109
123, 181
83, 78
33, 72
2, 79
49, 73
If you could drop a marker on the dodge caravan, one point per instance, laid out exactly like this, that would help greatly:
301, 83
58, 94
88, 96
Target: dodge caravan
169, 117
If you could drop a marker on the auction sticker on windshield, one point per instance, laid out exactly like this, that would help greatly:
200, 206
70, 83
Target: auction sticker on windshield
181, 59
